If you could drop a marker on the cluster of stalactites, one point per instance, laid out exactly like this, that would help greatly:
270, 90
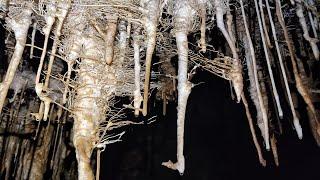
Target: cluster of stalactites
109, 43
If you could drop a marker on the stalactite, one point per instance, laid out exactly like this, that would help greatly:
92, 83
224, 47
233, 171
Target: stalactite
255, 99
45, 104
264, 25
151, 20
302, 20
183, 18
274, 88
255, 141
261, 110
283, 71
61, 13
87, 112
34, 30
312, 114
274, 150
137, 68
91, 57
20, 27
203, 16
122, 41
109, 39
237, 75
299, 85
38, 167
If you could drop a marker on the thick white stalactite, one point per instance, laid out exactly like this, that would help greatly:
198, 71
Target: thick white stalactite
20, 28
87, 111
183, 18
184, 89
150, 24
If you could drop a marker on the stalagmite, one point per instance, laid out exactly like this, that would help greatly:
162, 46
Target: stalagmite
20, 28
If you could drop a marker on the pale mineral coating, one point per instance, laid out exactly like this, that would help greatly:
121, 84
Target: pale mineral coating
20, 28
137, 68
183, 19
151, 21
87, 111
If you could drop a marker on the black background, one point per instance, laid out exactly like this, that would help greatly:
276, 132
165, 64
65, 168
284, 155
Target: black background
218, 143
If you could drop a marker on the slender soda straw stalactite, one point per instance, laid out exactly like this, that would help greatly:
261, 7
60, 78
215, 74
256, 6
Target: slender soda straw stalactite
265, 130
283, 72
137, 68
274, 89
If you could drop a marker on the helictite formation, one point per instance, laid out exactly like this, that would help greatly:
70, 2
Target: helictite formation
69, 62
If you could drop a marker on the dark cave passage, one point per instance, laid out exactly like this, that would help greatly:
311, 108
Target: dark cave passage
218, 144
